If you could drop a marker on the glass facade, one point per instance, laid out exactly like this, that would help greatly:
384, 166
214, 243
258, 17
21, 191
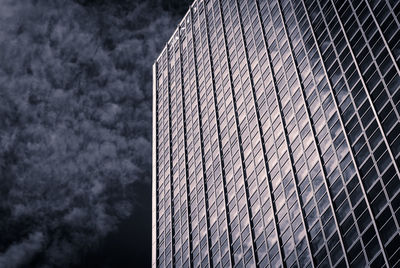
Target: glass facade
276, 135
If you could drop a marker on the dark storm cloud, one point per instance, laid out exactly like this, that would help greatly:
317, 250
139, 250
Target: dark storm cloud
75, 121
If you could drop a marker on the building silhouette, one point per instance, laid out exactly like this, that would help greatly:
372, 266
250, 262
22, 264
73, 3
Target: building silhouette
276, 135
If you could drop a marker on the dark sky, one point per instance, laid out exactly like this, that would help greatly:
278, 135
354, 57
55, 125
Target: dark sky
75, 129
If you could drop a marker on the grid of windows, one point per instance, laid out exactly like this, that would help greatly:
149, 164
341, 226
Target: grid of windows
276, 137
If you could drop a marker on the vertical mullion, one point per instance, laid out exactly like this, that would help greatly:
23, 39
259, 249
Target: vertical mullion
255, 106
237, 132
347, 139
274, 216
187, 183
164, 100
170, 156
370, 101
230, 83
175, 159
276, 94
265, 151
312, 129
201, 141
219, 141
190, 129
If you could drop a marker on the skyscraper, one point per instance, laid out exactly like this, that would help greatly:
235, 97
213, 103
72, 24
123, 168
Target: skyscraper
276, 135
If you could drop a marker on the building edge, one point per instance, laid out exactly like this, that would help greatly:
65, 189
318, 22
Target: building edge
154, 174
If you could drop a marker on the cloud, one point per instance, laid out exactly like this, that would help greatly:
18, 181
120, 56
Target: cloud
20, 253
75, 128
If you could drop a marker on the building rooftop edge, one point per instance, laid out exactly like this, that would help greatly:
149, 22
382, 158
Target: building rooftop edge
176, 30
